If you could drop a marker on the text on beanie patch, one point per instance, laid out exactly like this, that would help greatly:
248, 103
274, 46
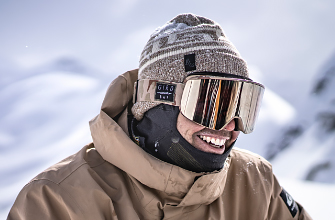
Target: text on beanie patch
189, 62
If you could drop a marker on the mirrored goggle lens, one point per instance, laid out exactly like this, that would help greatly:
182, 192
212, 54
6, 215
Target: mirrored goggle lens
214, 101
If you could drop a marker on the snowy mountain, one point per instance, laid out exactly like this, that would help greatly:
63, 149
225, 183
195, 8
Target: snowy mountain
44, 118
275, 112
310, 137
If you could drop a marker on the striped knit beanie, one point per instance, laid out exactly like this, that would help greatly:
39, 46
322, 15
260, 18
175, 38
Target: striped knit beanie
186, 44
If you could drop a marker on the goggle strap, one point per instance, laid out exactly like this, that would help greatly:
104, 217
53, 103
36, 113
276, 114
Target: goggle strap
135, 92
149, 90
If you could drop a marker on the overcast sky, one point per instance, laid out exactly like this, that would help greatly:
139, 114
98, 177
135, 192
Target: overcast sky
285, 41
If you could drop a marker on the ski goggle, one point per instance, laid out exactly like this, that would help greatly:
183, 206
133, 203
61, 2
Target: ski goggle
210, 101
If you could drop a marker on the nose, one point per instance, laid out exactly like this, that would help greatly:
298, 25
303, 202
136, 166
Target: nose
230, 126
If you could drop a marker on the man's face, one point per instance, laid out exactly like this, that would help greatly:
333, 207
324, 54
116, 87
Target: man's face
205, 139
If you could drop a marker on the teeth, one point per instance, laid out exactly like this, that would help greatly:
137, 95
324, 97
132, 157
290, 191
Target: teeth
222, 142
215, 141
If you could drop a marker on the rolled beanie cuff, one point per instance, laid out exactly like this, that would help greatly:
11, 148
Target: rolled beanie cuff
172, 68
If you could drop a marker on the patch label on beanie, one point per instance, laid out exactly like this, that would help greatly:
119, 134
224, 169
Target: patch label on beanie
289, 202
189, 62
165, 92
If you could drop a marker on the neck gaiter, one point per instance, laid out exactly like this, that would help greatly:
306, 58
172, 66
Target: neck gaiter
157, 134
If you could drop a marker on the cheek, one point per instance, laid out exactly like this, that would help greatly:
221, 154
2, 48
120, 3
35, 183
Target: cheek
184, 130
234, 135
180, 126
187, 128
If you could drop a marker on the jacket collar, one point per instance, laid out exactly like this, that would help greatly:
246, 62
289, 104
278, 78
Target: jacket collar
114, 145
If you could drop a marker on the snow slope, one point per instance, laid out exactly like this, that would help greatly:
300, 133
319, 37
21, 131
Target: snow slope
43, 119
311, 136
317, 198
275, 112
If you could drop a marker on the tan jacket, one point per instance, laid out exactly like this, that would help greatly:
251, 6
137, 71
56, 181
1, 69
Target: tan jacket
113, 178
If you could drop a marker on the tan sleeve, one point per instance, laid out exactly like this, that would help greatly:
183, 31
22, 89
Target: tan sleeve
41, 199
283, 206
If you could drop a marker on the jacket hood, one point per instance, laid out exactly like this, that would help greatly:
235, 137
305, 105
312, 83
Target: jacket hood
110, 138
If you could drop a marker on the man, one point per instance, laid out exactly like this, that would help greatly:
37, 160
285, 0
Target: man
163, 147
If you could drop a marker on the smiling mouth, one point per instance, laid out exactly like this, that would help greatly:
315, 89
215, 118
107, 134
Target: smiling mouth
215, 142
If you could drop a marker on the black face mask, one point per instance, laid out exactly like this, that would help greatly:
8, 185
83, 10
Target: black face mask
157, 134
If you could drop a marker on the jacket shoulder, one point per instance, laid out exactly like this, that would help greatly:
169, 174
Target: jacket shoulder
42, 199
63, 191
63, 169
246, 156
251, 164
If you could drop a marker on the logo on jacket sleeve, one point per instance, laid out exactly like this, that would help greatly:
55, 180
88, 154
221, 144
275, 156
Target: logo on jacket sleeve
289, 202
